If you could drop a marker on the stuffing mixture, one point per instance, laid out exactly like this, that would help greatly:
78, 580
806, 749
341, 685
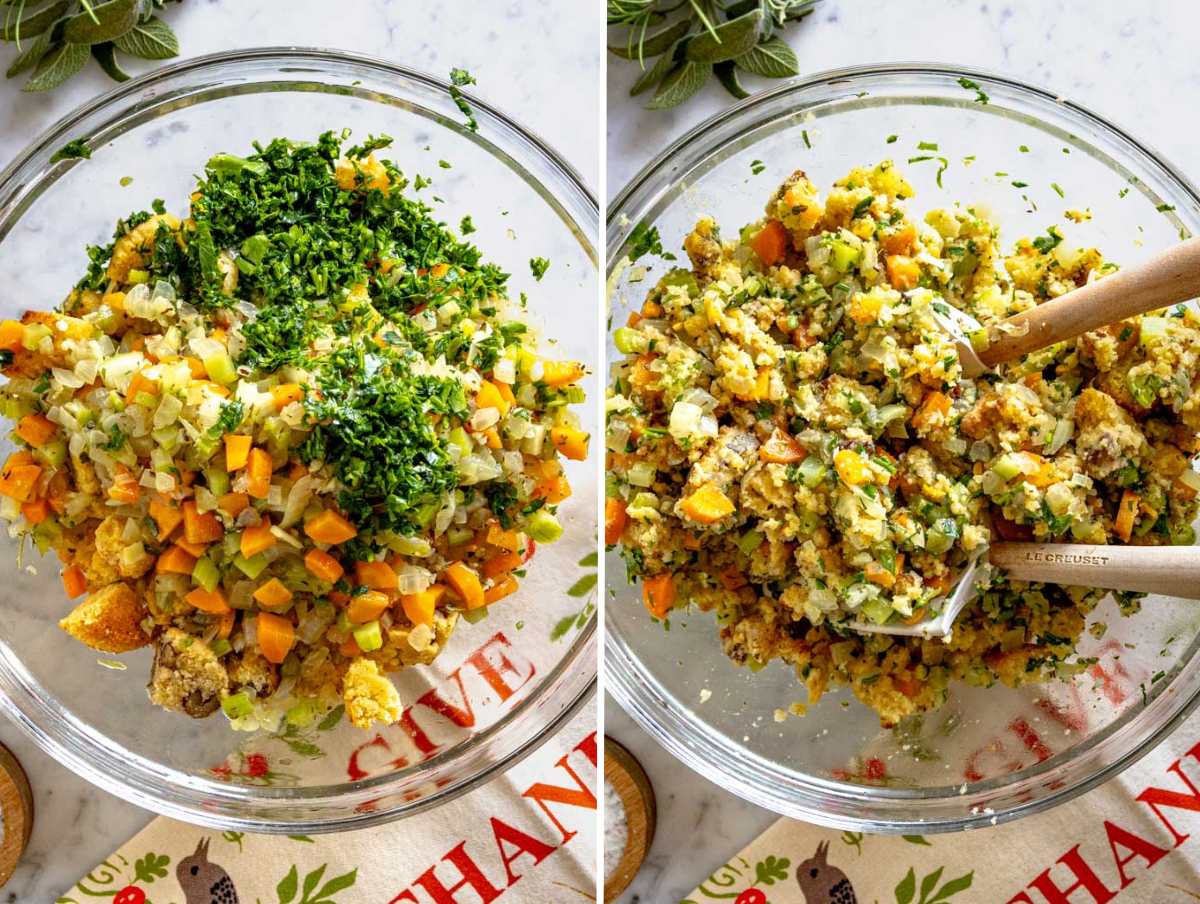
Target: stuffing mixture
289, 440
792, 443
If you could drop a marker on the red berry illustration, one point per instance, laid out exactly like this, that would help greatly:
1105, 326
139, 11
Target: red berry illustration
256, 766
130, 894
751, 896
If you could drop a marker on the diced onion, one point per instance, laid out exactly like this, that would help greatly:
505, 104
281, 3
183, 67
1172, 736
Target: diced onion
414, 579
484, 418
505, 371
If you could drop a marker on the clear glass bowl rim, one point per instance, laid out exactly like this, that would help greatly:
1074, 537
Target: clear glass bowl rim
348, 805
860, 807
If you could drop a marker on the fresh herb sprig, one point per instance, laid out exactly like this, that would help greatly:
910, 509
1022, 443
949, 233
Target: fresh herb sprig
55, 38
696, 39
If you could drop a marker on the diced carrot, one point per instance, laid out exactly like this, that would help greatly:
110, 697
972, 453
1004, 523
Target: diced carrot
877, 574
901, 240
286, 393
1126, 515
218, 389
782, 448
19, 481
570, 442
502, 539
419, 607
20, 457
257, 538
368, 606
198, 527
210, 601
196, 367
330, 527
276, 636
614, 520
36, 429
226, 625
57, 490
935, 406
909, 687
376, 575
166, 516
258, 473
339, 598
658, 593
851, 467
296, 470
562, 373
465, 583
323, 565
349, 648
903, 272
237, 451
651, 309
12, 335
554, 490
273, 594
195, 549
233, 504
770, 243
690, 540
706, 505
864, 308
139, 384
74, 581
493, 438
506, 392
500, 590
489, 396
501, 564
124, 487
37, 511
175, 560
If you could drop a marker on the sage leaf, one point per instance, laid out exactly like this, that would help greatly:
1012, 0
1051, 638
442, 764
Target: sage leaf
727, 75
104, 55
30, 25
657, 72
728, 40
770, 59
680, 84
31, 56
62, 62
105, 22
657, 43
153, 40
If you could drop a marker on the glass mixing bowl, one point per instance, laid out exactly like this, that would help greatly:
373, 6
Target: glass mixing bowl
989, 755
502, 685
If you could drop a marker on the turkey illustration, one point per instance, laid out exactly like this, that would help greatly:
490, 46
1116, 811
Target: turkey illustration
204, 882
822, 883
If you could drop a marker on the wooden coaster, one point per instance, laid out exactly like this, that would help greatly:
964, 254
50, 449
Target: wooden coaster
629, 780
16, 806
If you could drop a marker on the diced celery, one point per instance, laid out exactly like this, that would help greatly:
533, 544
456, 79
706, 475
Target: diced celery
1184, 535
844, 255
641, 474
251, 567
53, 453
811, 471
220, 647
15, 409
409, 546
1143, 388
458, 437
426, 512
146, 399
137, 276
884, 415
220, 367
1007, 467
809, 521
877, 610
750, 541
301, 713
343, 622
629, 341
456, 536
941, 536
206, 574
575, 395
475, 616
218, 481
979, 339
369, 637
237, 706
543, 527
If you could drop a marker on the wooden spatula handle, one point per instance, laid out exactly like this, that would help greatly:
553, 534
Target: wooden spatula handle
1169, 570
1167, 278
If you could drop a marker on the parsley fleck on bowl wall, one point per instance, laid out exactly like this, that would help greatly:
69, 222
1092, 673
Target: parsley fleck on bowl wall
990, 754
503, 685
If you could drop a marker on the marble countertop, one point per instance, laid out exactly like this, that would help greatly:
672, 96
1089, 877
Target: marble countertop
1134, 65
77, 825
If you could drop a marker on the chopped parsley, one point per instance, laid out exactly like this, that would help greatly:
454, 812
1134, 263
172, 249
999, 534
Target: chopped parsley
76, 149
538, 266
460, 78
980, 96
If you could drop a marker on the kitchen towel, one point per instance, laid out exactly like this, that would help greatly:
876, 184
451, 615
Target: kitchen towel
1128, 841
527, 837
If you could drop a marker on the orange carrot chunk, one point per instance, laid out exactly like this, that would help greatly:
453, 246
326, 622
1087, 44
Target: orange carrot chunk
323, 565
257, 538
466, 584
330, 527
200, 528
273, 594
376, 575
499, 591
658, 593
166, 516
367, 606
74, 581
419, 607
36, 429
237, 451
770, 243
276, 636
614, 520
258, 473
210, 601
175, 560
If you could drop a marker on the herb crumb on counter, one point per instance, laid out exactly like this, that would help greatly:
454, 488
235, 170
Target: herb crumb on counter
289, 439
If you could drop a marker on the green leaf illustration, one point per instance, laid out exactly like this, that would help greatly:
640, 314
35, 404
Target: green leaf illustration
928, 883
234, 838
153, 40
582, 586
286, 889
104, 22
330, 721
770, 59
57, 66
726, 41
589, 561
953, 887
311, 880
303, 838
151, 866
916, 839
771, 869
333, 886
907, 888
